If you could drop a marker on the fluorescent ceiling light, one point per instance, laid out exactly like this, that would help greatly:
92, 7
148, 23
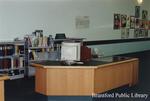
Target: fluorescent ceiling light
140, 1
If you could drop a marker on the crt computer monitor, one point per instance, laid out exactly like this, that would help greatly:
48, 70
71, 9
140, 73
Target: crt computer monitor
70, 51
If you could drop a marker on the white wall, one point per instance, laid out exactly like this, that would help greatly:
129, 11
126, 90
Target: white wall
21, 17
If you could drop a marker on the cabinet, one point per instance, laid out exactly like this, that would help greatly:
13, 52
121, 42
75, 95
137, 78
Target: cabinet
113, 76
12, 60
84, 80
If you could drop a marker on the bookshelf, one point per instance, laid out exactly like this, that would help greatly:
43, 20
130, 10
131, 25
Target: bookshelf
39, 52
12, 59
40, 48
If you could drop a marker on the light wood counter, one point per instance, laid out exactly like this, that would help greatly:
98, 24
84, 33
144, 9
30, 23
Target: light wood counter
55, 80
2, 78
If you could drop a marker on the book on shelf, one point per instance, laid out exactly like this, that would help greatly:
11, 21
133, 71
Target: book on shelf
15, 63
12, 58
18, 62
9, 50
1, 63
21, 62
37, 41
6, 50
31, 57
40, 40
44, 43
16, 72
5, 63
1, 50
19, 49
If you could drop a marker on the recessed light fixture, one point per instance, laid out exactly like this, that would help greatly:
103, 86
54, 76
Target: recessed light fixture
140, 1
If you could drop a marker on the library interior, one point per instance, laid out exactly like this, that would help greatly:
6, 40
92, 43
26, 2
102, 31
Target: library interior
74, 50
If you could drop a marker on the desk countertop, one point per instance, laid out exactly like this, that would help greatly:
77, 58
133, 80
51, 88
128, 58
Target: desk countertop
3, 77
96, 63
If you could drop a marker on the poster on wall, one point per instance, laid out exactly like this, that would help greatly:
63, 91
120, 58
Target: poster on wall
123, 21
142, 24
136, 33
116, 21
140, 33
137, 23
82, 22
137, 11
149, 25
132, 22
128, 22
125, 33
146, 24
146, 34
144, 14
143, 33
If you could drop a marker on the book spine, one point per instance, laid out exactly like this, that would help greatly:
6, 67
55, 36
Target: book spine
6, 63
9, 50
1, 64
21, 62
1, 50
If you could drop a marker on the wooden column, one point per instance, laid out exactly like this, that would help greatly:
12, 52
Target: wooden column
2, 78
1, 90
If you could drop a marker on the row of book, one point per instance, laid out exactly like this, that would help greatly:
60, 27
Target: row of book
6, 50
5, 63
32, 56
18, 62
43, 41
15, 72
12, 72
19, 49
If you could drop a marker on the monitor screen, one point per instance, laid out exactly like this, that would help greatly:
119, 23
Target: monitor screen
70, 51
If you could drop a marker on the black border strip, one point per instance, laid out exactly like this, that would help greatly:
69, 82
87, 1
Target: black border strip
101, 42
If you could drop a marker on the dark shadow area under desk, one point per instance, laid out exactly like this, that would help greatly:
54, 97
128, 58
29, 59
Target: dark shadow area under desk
23, 89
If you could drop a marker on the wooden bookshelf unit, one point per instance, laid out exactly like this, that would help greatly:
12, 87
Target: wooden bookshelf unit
54, 79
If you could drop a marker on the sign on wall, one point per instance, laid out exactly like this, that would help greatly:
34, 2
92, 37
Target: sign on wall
82, 22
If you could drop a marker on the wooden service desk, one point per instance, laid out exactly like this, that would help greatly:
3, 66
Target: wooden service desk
2, 78
54, 79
